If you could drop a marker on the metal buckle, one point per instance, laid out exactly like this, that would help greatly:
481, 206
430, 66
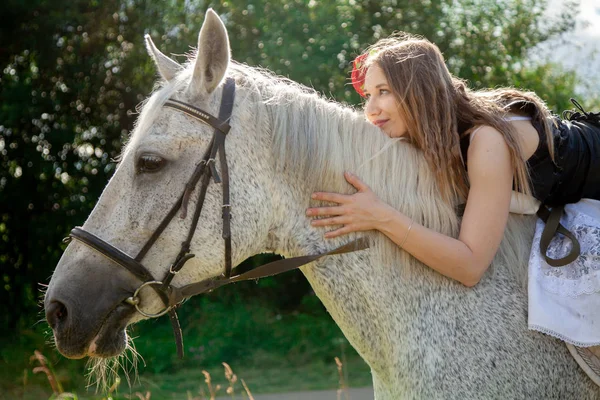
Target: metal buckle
135, 301
171, 270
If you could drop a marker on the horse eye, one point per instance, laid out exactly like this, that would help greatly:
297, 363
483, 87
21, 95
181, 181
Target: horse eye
150, 163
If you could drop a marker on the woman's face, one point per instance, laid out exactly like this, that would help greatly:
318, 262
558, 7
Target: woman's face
381, 108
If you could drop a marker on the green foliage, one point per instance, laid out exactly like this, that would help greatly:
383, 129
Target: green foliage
238, 331
68, 82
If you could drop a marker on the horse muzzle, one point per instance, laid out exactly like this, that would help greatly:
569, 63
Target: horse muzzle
75, 339
87, 312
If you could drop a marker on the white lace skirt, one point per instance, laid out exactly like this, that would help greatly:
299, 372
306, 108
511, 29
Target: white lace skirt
565, 301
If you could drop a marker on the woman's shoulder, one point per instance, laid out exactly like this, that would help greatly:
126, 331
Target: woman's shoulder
485, 134
487, 148
482, 135
527, 134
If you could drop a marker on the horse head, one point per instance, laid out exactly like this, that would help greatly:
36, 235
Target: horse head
86, 300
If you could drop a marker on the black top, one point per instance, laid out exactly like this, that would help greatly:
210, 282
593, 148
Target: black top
575, 174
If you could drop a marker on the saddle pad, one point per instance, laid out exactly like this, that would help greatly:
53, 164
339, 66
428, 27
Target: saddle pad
588, 359
564, 302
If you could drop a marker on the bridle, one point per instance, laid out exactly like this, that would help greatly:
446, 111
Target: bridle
172, 296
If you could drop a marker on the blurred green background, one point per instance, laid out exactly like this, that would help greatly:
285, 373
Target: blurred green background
72, 75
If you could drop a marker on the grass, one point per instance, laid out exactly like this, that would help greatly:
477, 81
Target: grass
273, 377
272, 352
268, 378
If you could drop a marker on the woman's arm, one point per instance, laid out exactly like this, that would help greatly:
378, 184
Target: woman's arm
464, 259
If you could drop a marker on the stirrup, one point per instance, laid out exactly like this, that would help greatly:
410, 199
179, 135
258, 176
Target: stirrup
588, 359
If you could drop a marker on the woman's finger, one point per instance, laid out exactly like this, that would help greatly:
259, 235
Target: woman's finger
319, 211
330, 221
356, 182
332, 197
338, 232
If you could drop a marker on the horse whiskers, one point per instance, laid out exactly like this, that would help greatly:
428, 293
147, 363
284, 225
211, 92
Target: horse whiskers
104, 372
42, 289
132, 352
49, 338
40, 321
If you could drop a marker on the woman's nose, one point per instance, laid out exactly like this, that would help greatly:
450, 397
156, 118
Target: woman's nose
371, 108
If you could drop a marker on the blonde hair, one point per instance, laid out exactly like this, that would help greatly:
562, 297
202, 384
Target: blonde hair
435, 104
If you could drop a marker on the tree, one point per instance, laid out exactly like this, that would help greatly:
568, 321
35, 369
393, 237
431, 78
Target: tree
70, 82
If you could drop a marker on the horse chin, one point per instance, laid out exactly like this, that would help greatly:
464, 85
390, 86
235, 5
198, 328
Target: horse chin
111, 339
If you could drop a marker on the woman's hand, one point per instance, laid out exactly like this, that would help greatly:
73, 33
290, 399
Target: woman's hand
361, 211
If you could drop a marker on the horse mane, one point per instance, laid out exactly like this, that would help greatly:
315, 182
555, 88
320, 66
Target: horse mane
318, 139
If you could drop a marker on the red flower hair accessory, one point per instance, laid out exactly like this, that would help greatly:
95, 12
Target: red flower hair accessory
358, 74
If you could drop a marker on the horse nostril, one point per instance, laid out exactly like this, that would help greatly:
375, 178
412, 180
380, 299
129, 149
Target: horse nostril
55, 313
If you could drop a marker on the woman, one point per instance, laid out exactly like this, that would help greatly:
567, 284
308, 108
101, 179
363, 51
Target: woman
480, 144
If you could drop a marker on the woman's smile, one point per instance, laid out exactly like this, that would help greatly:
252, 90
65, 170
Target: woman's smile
380, 122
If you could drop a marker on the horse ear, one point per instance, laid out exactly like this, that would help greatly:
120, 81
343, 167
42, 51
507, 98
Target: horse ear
213, 55
167, 68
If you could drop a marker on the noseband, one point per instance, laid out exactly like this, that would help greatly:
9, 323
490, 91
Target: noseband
172, 296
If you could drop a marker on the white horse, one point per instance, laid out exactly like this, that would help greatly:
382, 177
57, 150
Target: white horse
423, 335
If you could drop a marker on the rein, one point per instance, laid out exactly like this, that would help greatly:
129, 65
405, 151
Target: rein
172, 296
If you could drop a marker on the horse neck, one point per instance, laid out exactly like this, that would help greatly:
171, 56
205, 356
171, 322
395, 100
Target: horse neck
338, 281
366, 297
308, 153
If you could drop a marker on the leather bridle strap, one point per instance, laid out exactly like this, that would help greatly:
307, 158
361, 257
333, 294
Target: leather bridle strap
220, 123
221, 127
177, 295
114, 254
552, 227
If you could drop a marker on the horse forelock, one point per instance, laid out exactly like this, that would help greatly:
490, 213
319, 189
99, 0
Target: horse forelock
150, 107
